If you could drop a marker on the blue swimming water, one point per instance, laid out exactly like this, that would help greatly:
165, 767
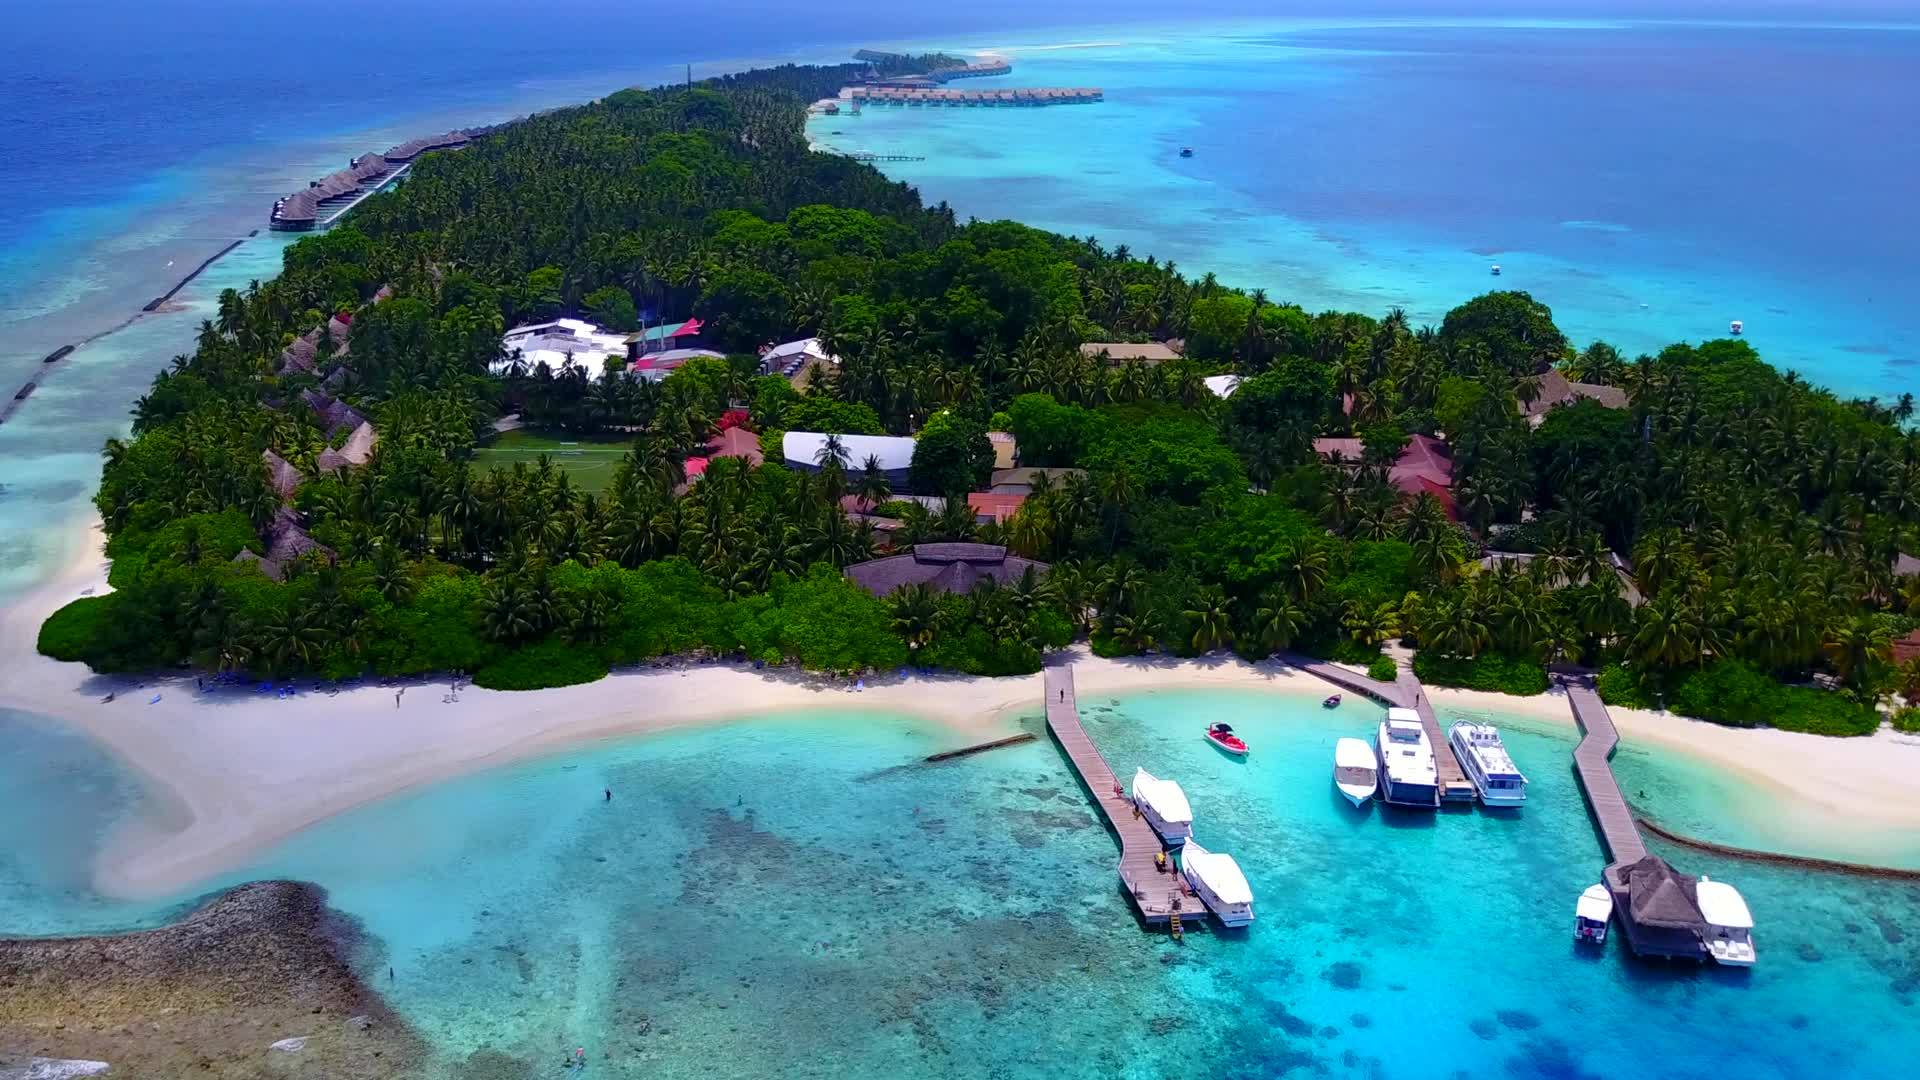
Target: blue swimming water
1651, 181
794, 896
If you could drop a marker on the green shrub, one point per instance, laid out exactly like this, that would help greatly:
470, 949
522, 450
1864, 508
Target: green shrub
537, 667
1618, 686
1383, 669
1907, 719
1515, 675
73, 633
1737, 693
1109, 648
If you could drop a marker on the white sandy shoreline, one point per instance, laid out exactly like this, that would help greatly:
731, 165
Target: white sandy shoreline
244, 772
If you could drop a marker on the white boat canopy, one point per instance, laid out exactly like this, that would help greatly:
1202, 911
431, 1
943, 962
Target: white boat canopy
1221, 874
1398, 713
1722, 905
1354, 754
1596, 904
1165, 796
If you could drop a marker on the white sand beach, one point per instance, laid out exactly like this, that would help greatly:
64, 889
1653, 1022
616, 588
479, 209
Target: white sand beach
245, 770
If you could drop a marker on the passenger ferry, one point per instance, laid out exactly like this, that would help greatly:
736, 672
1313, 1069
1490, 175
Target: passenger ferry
1487, 764
1407, 773
1729, 933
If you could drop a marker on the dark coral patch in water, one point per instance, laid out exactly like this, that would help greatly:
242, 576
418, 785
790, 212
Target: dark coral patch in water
1360, 1020
1344, 974
1518, 1020
1484, 1028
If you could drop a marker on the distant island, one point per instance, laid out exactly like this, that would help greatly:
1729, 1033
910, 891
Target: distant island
650, 377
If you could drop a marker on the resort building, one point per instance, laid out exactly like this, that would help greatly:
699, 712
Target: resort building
950, 568
995, 509
1223, 386
1123, 352
1021, 481
802, 449
555, 343
656, 366
1555, 389
664, 338
1425, 467
736, 442
1005, 448
789, 357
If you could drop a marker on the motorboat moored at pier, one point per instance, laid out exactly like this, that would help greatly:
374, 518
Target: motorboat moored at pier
1591, 914
1164, 805
1217, 880
1355, 771
1486, 762
1408, 776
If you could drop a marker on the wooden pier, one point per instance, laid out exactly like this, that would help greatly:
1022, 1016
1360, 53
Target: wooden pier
1590, 763
1030, 97
1404, 693
1159, 897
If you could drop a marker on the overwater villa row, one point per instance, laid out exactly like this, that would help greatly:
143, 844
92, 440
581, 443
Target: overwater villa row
326, 199
1029, 96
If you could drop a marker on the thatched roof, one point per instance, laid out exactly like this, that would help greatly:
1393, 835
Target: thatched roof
266, 566
1660, 896
953, 568
1118, 352
290, 541
299, 356
413, 148
355, 452
331, 413
281, 474
299, 206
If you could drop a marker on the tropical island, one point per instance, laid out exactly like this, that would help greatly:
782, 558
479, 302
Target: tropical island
817, 371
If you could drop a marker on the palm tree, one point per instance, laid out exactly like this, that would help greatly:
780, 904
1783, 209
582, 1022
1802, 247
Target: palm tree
1212, 625
1855, 645
914, 609
873, 487
1276, 622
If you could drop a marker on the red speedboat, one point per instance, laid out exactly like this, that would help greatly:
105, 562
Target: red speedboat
1222, 736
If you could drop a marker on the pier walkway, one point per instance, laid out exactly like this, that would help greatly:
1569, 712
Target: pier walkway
1158, 896
1590, 763
1404, 693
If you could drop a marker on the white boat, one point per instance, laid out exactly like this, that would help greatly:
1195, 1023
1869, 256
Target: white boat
1355, 770
1591, 914
1496, 269
1407, 775
1729, 936
1487, 764
1217, 879
1164, 806
1735, 327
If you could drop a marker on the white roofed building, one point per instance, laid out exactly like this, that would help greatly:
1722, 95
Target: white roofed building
801, 450
551, 343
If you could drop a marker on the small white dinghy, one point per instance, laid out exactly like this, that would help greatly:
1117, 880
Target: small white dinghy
1355, 770
1164, 805
1591, 914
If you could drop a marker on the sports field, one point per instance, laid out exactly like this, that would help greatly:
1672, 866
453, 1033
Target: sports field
591, 462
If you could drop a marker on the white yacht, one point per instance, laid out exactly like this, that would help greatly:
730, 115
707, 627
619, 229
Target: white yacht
1164, 806
1729, 936
1355, 770
1735, 327
1407, 775
1591, 914
1485, 759
1218, 881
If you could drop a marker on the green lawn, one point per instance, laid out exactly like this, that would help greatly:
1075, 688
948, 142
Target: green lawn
590, 461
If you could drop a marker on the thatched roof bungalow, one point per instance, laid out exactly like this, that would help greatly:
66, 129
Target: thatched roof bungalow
284, 478
951, 568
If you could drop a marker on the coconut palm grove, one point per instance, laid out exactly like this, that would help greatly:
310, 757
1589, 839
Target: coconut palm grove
1711, 533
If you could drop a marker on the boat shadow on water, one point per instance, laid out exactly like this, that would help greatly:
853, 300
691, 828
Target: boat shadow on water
1395, 816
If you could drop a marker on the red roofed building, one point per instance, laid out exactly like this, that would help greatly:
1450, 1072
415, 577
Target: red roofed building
737, 442
997, 508
1425, 467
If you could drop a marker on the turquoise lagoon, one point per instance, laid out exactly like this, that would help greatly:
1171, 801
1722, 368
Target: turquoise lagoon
1649, 180
796, 896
